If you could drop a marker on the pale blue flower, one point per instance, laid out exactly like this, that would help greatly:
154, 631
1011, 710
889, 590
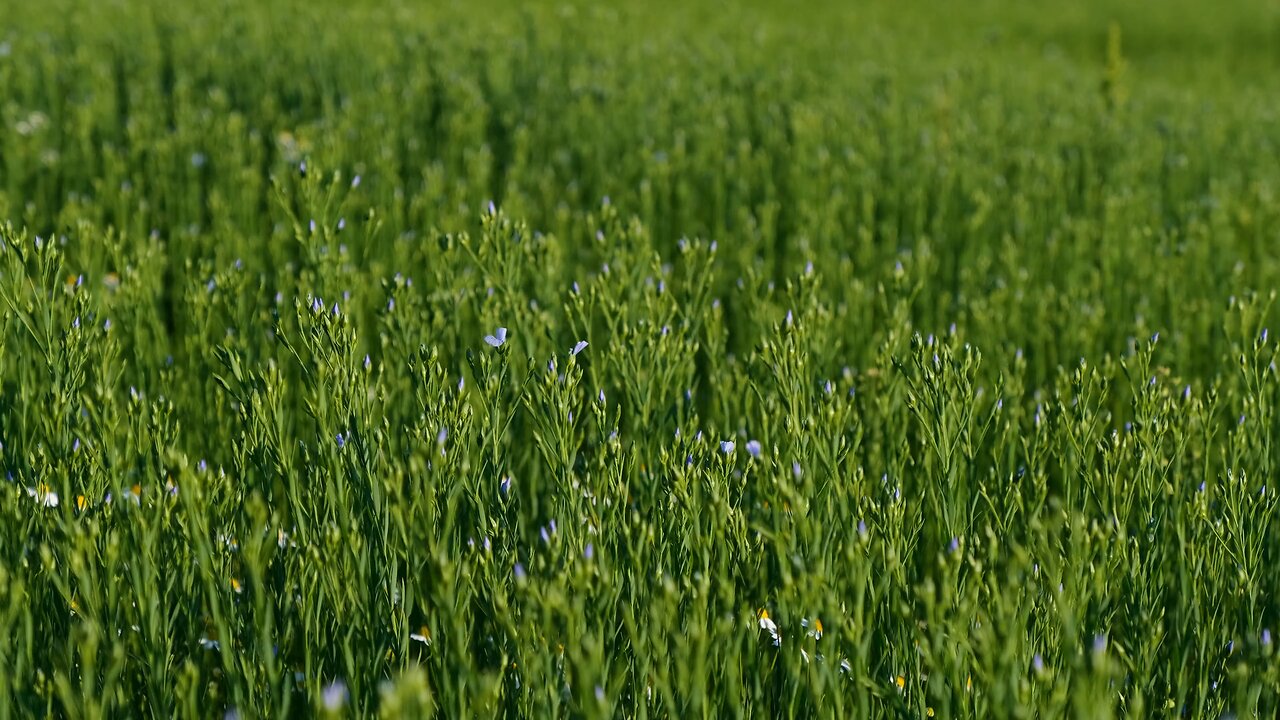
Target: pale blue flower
498, 338
334, 696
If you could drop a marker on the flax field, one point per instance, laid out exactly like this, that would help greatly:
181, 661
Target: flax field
472, 359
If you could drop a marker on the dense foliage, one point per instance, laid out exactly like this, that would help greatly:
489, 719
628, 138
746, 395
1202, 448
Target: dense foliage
902, 360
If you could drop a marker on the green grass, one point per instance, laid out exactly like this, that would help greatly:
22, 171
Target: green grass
926, 375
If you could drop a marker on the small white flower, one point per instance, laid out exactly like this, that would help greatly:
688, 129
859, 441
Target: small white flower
768, 625
44, 495
423, 635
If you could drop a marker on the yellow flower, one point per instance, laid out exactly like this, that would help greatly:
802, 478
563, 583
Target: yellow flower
235, 585
900, 681
928, 712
